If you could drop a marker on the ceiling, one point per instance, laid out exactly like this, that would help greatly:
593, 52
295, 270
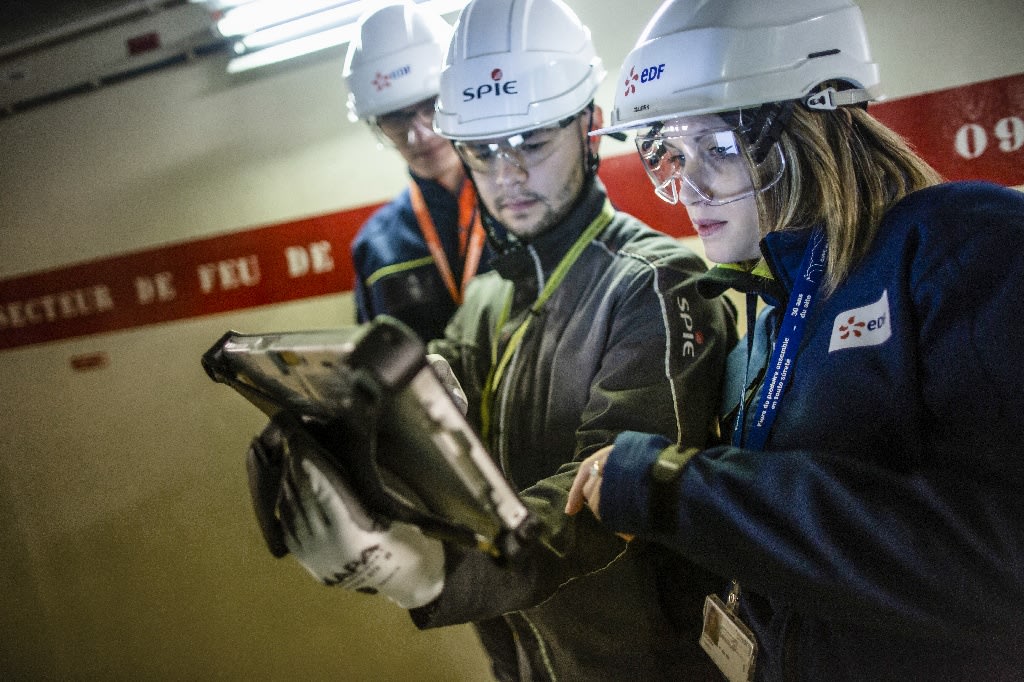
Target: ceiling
51, 50
54, 49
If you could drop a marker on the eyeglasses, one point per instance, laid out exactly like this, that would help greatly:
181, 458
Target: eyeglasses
692, 162
525, 150
396, 124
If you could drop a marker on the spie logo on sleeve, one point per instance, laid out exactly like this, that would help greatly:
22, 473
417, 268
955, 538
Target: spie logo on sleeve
869, 325
692, 337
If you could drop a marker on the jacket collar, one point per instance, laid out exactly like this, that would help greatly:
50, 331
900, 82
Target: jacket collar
431, 188
771, 277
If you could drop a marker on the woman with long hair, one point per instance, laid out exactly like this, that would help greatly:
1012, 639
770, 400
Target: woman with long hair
867, 518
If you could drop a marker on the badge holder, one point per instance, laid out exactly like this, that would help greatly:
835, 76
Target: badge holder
726, 639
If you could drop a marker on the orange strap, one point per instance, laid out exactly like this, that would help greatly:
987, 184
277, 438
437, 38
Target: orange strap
471, 237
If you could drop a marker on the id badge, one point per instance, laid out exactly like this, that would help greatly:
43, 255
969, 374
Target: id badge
729, 643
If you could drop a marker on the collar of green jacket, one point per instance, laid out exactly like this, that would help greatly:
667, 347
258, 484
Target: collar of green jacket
769, 277
750, 277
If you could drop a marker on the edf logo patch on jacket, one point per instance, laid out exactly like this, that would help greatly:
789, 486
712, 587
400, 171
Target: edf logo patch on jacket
865, 326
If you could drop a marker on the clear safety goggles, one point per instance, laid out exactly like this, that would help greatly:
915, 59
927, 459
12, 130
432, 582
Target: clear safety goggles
524, 150
395, 125
694, 160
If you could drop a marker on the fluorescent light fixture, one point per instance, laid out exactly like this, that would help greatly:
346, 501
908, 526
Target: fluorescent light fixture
261, 14
216, 5
290, 30
292, 49
270, 31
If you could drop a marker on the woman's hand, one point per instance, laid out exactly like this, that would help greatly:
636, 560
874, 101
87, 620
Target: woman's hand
586, 488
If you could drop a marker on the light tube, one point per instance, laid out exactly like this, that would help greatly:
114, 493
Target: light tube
292, 49
262, 48
296, 28
260, 14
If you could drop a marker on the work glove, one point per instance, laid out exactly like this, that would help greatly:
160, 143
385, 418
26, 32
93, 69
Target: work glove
304, 506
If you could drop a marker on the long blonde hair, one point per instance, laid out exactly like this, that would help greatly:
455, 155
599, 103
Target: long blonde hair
844, 171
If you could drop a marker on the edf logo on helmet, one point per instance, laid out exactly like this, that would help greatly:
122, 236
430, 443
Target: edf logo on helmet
497, 88
651, 73
383, 80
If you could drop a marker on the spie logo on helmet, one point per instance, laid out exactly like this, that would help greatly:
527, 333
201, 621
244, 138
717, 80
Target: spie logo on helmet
496, 88
383, 80
646, 75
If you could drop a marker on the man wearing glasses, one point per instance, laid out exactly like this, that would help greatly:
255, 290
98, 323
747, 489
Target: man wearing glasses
589, 325
414, 256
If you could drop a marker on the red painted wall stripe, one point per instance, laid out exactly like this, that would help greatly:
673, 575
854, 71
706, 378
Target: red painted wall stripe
270, 264
974, 131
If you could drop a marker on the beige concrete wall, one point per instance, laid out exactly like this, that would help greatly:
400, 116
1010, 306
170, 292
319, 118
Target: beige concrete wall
129, 549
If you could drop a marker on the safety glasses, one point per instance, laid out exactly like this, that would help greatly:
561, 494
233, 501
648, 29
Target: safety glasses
524, 150
700, 159
395, 125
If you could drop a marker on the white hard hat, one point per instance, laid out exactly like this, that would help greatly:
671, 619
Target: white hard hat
697, 57
395, 59
515, 65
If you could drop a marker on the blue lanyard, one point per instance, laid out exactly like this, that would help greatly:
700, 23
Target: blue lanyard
781, 363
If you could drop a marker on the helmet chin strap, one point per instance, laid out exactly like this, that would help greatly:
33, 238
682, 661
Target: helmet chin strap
765, 127
770, 119
591, 160
830, 99
500, 240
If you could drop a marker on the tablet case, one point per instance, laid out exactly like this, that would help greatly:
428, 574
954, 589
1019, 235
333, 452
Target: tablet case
367, 394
